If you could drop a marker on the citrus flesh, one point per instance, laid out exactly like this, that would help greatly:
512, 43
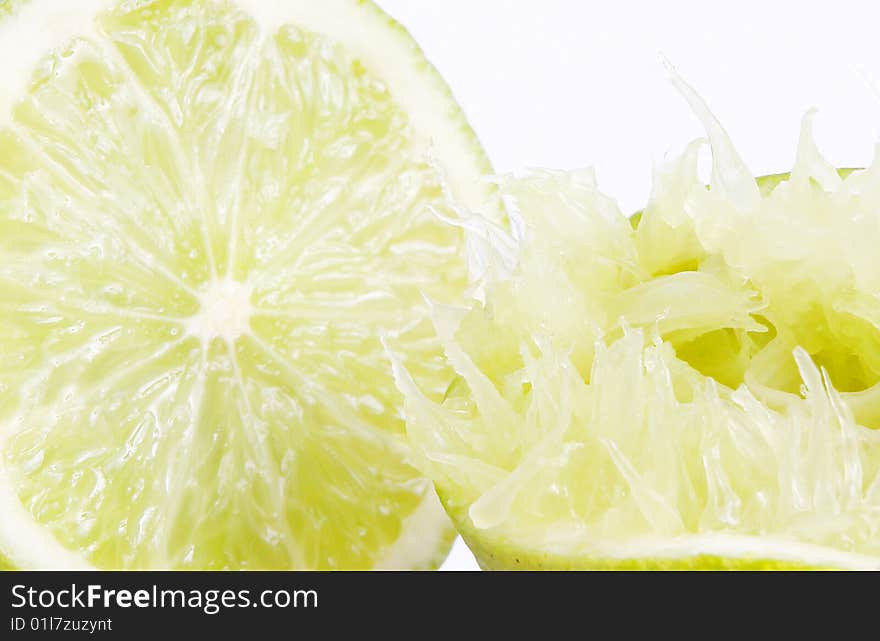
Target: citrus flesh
210, 212
697, 388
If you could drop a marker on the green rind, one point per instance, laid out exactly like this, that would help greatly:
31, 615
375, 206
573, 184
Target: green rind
498, 554
455, 113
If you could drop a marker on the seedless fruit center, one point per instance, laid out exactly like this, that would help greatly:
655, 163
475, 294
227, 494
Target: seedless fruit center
224, 312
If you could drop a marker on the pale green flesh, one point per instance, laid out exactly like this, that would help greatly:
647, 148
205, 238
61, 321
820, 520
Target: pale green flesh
180, 153
706, 374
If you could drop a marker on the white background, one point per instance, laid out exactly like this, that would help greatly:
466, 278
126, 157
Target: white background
571, 83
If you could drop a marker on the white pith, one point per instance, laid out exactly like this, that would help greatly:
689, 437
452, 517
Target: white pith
427, 528
225, 311
25, 541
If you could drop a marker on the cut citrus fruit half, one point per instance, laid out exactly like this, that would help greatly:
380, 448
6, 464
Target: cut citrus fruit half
699, 389
210, 210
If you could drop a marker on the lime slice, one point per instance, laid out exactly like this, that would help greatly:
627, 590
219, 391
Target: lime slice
210, 212
700, 389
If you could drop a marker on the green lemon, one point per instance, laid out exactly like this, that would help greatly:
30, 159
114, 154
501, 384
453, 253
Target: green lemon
696, 389
210, 212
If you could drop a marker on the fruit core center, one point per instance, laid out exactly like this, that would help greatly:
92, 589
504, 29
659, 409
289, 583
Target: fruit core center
224, 313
